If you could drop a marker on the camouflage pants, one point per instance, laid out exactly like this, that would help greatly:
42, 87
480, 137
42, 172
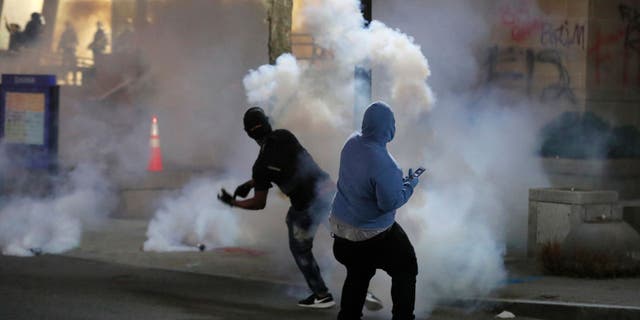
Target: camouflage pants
302, 226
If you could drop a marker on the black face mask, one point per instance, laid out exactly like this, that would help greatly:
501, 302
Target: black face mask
256, 123
258, 132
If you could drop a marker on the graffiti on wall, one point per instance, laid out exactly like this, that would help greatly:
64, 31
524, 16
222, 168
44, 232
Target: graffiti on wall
525, 24
618, 49
563, 35
521, 66
631, 17
535, 61
518, 18
535, 58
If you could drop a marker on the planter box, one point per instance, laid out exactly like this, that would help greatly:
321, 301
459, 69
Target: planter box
553, 212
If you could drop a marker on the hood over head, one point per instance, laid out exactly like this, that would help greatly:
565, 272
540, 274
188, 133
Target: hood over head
378, 123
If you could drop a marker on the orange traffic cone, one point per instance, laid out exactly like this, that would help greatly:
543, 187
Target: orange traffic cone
155, 159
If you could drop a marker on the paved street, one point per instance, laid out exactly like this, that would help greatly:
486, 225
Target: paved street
109, 277
57, 287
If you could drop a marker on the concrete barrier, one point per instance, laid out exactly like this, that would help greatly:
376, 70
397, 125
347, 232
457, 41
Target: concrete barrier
554, 212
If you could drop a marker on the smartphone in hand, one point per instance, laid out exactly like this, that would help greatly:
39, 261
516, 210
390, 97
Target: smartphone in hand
416, 174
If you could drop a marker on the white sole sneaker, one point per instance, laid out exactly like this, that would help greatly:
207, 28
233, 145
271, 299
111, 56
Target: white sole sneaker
324, 303
372, 302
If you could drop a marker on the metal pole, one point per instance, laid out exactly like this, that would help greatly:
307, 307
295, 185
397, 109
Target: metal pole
362, 75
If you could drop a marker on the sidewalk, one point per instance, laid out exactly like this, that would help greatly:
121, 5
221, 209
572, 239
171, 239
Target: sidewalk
527, 292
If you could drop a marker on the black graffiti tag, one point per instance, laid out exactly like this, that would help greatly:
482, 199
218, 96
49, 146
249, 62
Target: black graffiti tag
631, 16
563, 35
560, 89
498, 71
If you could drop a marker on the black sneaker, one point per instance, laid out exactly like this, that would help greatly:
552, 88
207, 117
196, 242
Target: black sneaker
372, 302
319, 303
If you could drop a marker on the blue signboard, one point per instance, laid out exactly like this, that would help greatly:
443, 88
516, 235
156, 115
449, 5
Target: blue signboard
29, 119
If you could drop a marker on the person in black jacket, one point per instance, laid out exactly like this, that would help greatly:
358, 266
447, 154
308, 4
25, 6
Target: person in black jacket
99, 44
284, 161
33, 30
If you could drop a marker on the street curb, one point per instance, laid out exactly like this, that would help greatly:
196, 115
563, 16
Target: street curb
552, 310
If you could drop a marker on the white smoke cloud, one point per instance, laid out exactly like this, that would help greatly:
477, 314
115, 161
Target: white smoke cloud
195, 216
471, 206
471, 209
279, 82
459, 256
315, 100
337, 26
54, 224
478, 169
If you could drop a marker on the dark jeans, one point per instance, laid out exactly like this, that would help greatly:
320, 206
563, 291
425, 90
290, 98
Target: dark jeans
302, 226
390, 251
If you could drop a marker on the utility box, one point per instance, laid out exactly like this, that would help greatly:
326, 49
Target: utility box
554, 212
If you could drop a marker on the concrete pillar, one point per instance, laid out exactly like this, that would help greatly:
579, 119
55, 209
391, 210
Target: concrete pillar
50, 13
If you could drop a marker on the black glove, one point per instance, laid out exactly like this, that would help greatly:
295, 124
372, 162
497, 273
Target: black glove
225, 197
243, 189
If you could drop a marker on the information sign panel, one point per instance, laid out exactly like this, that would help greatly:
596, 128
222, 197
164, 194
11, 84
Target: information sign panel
29, 119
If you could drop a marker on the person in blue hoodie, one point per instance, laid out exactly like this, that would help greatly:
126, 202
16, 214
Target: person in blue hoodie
366, 237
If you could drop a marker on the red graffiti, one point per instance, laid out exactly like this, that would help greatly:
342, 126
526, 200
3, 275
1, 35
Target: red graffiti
517, 16
524, 32
598, 49
619, 49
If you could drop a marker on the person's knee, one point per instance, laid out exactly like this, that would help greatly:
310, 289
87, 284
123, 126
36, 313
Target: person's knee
302, 260
300, 247
408, 270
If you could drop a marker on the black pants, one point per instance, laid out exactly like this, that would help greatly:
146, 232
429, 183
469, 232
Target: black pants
390, 251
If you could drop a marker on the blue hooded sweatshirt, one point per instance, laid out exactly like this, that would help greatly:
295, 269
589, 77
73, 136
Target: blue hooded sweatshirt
370, 186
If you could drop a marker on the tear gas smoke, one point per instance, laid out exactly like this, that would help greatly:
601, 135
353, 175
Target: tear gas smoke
114, 138
320, 96
337, 26
478, 169
196, 80
471, 205
195, 77
192, 218
277, 82
30, 225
